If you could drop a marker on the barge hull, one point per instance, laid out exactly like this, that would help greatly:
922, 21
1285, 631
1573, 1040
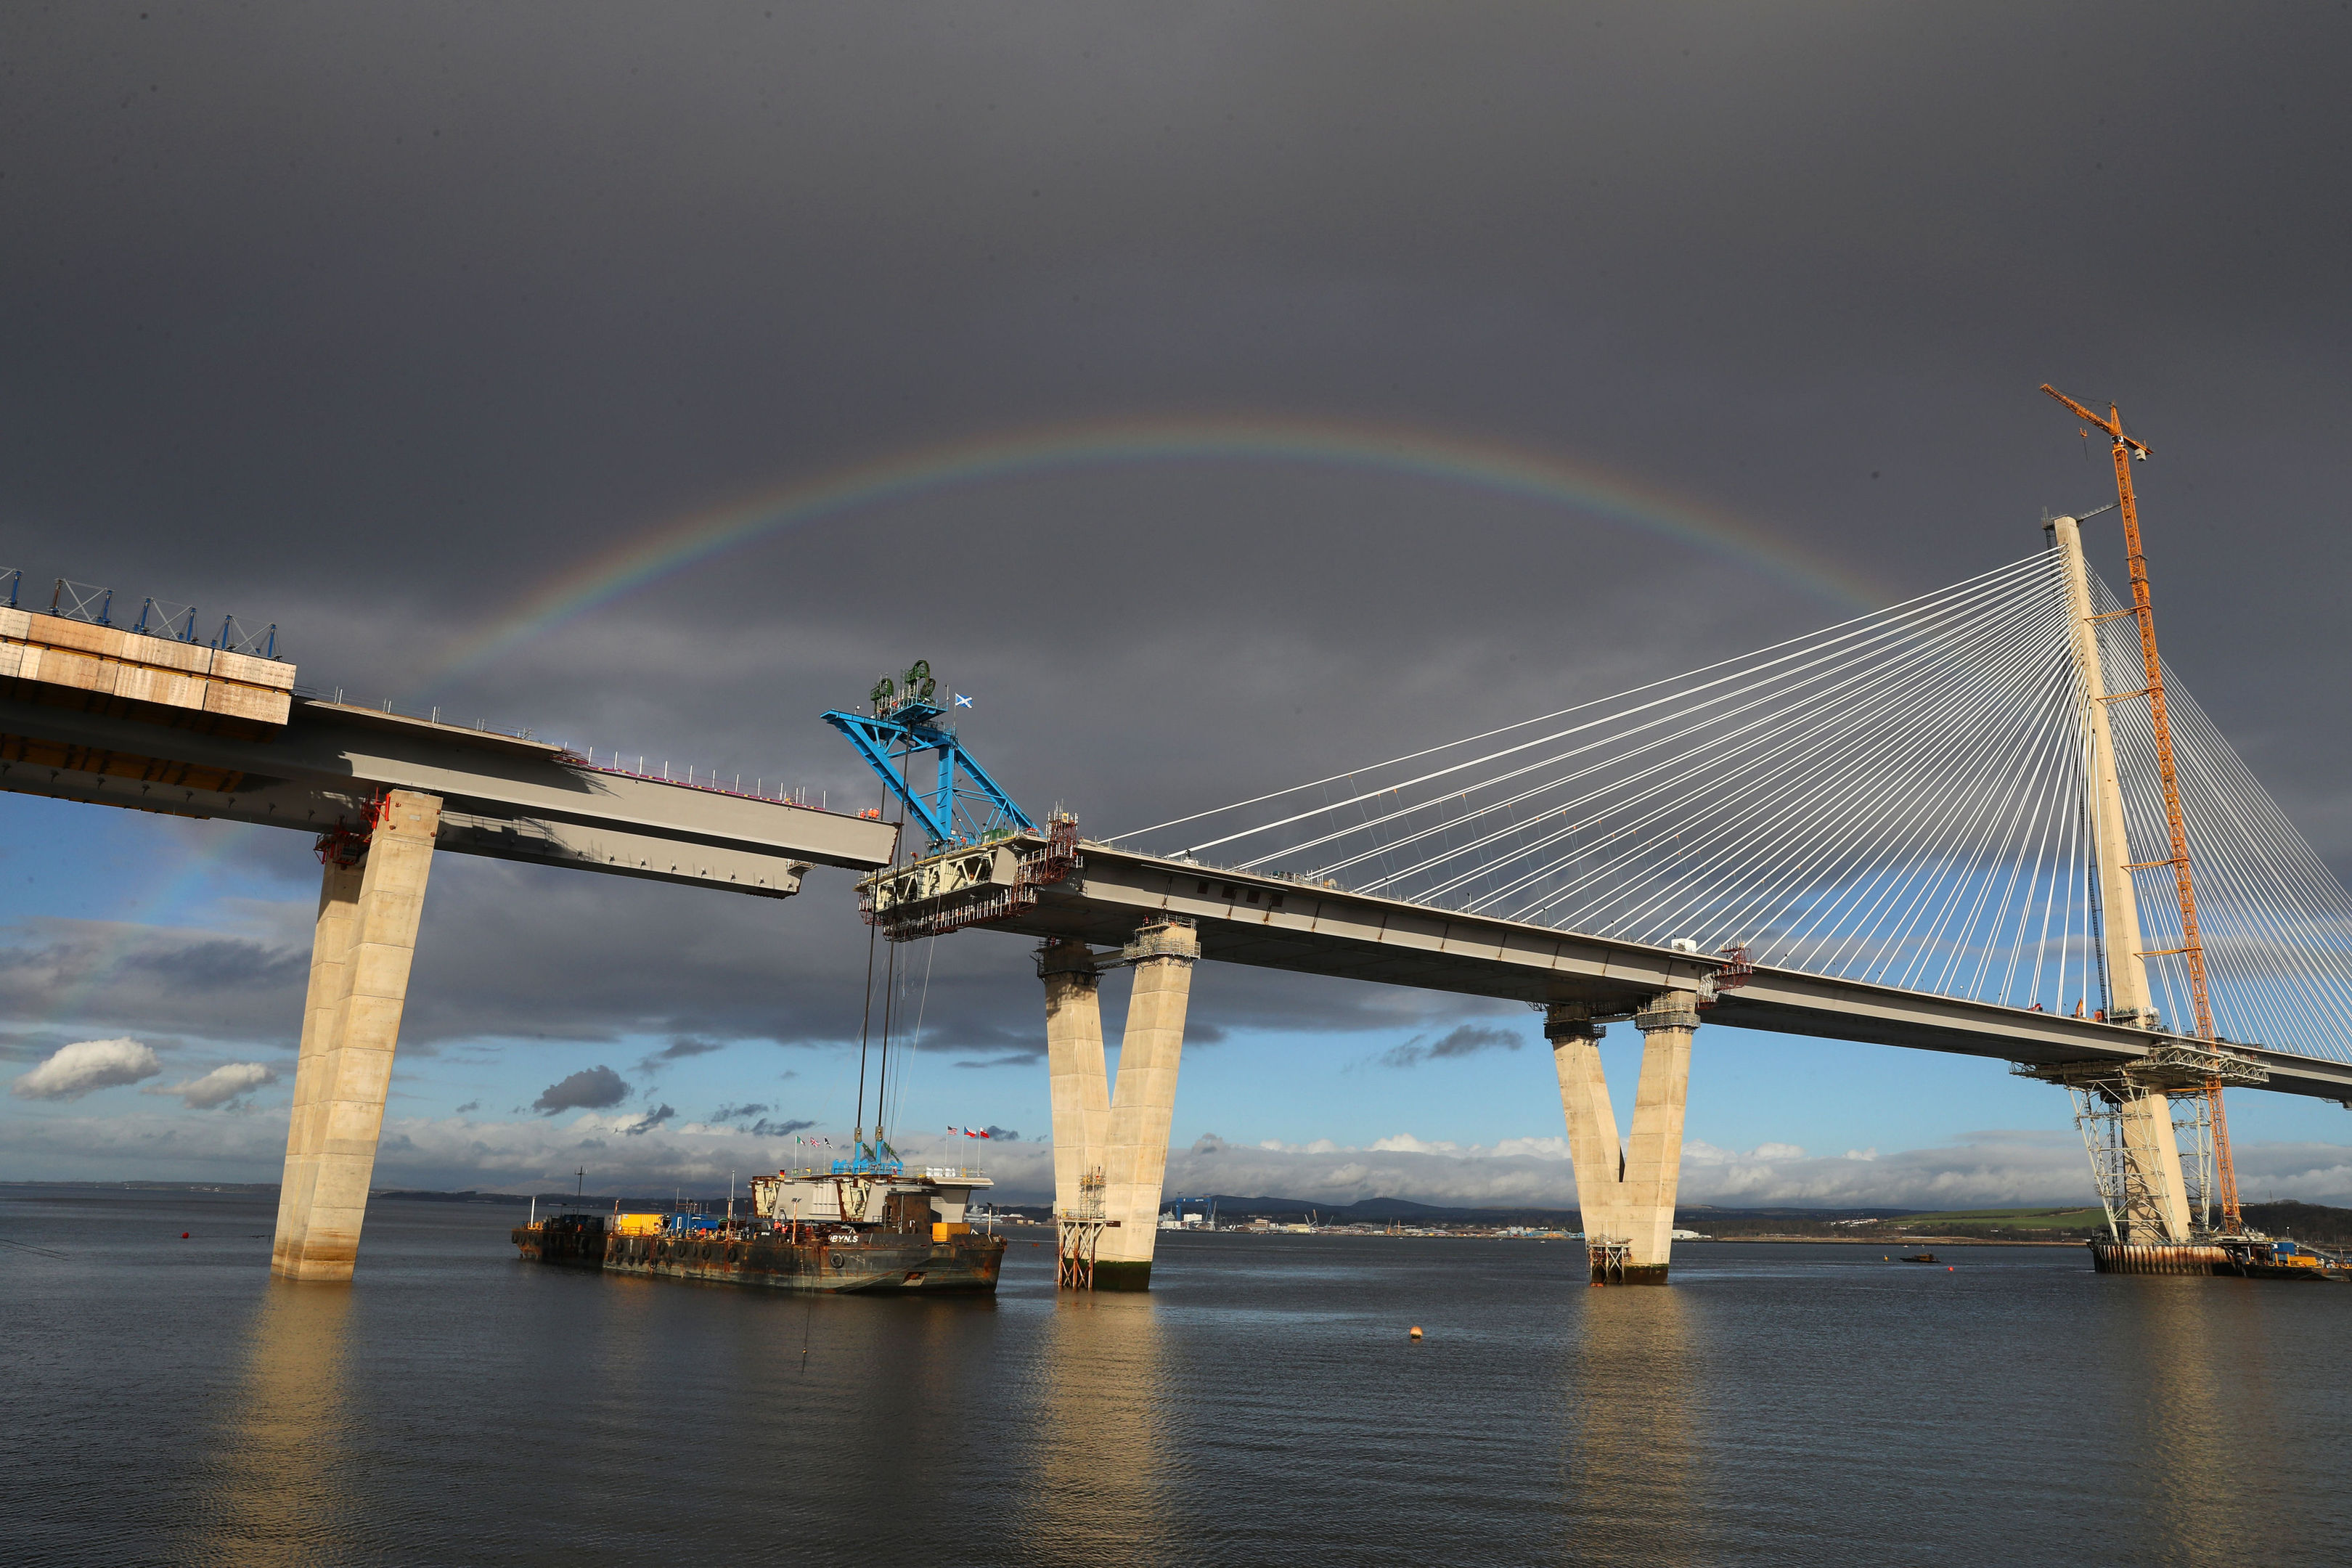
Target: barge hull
888, 1263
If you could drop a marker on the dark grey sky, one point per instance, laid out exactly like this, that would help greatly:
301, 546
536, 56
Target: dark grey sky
369, 320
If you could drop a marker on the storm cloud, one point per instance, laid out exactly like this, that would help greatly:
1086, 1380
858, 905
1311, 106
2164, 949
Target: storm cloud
1466, 1039
592, 1088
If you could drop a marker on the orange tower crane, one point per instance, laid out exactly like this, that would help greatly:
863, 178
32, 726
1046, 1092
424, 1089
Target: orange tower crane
2125, 449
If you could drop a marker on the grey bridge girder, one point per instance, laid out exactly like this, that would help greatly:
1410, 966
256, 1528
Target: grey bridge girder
1274, 922
503, 797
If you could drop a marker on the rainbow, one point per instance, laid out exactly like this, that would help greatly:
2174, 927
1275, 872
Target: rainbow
678, 544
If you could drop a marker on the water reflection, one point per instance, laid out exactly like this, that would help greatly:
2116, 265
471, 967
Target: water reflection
2205, 1407
1100, 1434
286, 1441
1630, 1459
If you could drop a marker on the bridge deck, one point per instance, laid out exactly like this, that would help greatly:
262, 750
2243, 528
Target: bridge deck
503, 797
1277, 923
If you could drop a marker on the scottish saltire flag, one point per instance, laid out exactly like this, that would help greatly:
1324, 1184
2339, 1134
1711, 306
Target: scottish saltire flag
961, 700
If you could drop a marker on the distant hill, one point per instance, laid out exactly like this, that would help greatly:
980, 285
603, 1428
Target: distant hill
1381, 1211
2304, 1222
2310, 1222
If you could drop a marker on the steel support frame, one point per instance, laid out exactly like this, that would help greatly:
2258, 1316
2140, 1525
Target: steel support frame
2193, 1130
2185, 1073
1608, 1256
1078, 1234
888, 744
2121, 1186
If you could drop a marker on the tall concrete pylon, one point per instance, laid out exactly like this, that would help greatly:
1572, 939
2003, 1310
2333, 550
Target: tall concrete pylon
361, 950
1625, 1191
2157, 1207
1123, 1134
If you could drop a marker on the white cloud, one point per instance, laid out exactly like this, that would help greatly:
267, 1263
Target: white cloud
1982, 1168
1401, 1144
87, 1065
1698, 1152
219, 1087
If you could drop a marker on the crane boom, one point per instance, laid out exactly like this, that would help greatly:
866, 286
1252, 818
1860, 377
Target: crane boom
2124, 448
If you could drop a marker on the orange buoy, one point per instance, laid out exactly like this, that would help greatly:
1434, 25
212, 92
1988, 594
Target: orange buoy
1415, 1333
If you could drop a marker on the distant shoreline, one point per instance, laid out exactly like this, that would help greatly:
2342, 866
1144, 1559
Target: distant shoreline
1893, 1241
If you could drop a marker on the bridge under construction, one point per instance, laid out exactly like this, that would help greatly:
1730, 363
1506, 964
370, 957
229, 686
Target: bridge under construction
153, 719
1987, 820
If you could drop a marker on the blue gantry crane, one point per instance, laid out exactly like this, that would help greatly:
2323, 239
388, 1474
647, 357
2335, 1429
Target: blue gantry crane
956, 801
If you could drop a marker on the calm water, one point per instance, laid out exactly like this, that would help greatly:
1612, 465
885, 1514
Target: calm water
167, 1403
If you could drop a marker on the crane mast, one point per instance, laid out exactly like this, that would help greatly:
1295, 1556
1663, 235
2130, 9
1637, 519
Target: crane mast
2125, 449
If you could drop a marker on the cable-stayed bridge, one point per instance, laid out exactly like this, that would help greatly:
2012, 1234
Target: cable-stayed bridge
1940, 826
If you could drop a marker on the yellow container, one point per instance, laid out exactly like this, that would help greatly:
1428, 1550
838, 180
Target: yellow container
638, 1225
943, 1229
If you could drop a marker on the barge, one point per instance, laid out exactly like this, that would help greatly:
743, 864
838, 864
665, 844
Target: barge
868, 1225
2246, 1255
2260, 1257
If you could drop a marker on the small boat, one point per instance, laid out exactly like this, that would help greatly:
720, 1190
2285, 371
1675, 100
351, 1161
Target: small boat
1921, 1257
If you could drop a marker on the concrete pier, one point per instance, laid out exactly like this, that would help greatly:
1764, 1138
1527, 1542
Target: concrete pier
359, 987
1080, 1093
1110, 1150
1626, 1191
330, 942
1143, 1105
1080, 1084
1654, 1153
1592, 1146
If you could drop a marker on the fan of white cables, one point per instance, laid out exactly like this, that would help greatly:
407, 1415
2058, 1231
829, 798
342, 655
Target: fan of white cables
2274, 922
1898, 798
